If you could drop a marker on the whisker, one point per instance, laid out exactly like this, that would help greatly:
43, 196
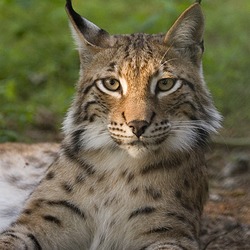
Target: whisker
165, 54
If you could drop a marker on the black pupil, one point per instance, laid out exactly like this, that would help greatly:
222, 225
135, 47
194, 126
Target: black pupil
112, 82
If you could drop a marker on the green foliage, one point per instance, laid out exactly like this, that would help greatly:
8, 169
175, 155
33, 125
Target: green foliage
39, 65
226, 63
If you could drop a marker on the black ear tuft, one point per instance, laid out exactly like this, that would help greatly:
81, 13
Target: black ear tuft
68, 4
75, 16
89, 38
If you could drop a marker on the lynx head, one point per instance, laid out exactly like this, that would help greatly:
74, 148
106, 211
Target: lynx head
141, 94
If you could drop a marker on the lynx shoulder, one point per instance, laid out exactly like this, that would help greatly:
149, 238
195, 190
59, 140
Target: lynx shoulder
130, 173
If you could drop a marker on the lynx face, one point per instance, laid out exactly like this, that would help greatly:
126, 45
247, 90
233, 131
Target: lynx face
141, 93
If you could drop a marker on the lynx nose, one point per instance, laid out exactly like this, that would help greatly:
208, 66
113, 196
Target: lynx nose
138, 127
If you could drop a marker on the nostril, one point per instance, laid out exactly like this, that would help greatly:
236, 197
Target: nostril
143, 128
138, 127
132, 127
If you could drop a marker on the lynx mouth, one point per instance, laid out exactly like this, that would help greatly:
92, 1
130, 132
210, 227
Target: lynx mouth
142, 142
138, 143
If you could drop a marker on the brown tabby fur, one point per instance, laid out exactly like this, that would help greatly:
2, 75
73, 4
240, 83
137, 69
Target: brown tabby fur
131, 173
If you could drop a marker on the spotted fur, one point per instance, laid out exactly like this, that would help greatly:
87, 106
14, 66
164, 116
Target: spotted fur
22, 167
131, 173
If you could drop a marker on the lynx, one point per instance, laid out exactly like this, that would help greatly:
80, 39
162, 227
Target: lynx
130, 173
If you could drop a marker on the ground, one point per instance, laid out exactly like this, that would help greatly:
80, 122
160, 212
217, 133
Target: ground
226, 220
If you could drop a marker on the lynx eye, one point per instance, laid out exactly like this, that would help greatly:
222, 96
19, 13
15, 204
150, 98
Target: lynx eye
165, 84
111, 84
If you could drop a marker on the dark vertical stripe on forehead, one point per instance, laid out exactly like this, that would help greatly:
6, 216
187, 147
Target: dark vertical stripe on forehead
126, 51
149, 50
139, 41
111, 67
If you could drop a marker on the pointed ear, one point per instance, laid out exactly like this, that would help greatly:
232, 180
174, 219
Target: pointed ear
188, 30
87, 35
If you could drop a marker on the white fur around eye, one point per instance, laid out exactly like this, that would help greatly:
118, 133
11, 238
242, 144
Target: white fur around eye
153, 88
124, 85
100, 86
176, 86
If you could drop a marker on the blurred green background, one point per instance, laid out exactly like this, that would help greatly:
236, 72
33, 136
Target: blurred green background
39, 64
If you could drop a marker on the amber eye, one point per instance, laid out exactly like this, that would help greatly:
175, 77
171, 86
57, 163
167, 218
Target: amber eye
166, 84
111, 84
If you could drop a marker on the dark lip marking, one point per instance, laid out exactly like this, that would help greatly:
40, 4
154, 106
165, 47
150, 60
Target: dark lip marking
137, 143
121, 136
